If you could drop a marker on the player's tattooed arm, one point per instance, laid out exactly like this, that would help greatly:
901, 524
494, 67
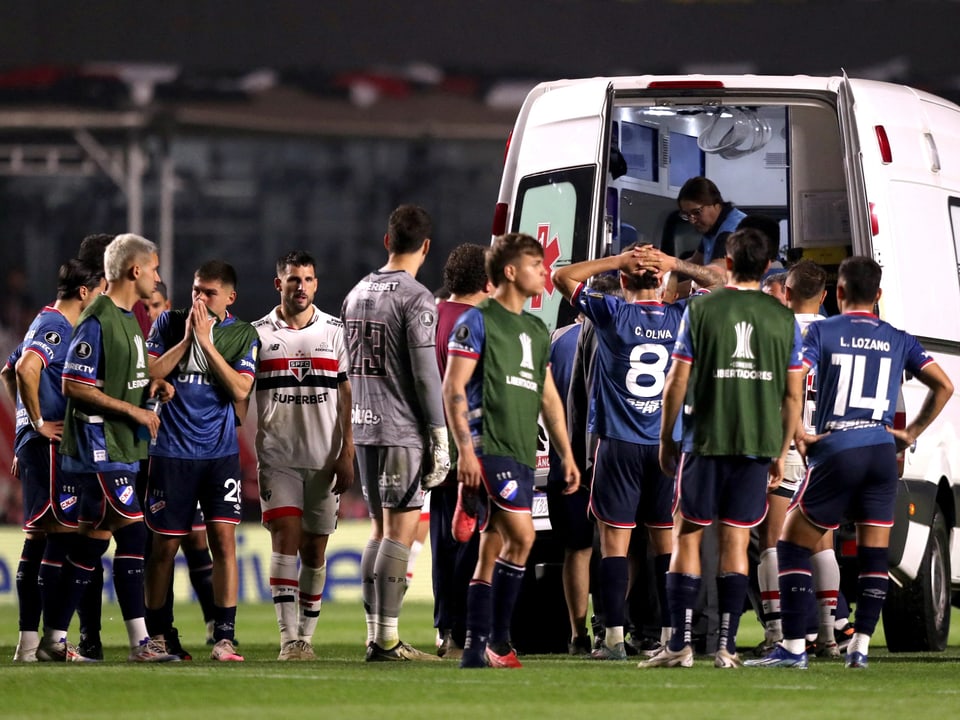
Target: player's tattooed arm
706, 276
459, 435
459, 371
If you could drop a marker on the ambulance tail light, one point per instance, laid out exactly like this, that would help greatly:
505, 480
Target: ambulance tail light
886, 154
874, 220
499, 219
899, 423
686, 85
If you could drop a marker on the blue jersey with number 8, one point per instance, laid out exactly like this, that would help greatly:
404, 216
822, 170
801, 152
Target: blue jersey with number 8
634, 343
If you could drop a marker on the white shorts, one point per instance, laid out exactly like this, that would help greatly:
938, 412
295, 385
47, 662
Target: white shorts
301, 492
793, 475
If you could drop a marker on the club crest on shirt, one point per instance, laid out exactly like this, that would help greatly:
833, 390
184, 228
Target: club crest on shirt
428, 318
299, 368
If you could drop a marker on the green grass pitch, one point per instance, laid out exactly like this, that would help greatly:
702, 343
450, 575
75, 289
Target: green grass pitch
340, 685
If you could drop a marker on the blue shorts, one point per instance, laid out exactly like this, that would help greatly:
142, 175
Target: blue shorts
569, 519
176, 485
629, 486
729, 488
44, 486
116, 488
507, 485
858, 484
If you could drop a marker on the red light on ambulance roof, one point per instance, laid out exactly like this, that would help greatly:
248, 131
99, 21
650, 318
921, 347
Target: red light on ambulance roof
685, 85
499, 219
886, 154
874, 220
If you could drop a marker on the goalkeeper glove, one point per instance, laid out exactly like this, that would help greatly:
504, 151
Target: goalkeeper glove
438, 463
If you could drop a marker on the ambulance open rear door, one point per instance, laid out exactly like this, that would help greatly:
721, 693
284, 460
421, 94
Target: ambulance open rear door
556, 178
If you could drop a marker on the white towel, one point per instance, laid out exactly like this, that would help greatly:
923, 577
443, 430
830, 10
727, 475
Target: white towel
195, 361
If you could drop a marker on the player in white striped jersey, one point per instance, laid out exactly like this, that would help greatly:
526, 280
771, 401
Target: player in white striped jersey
304, 446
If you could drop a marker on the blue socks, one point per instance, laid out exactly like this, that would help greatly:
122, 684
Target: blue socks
796, 588
504, 591
731, 593
873, 582
682, 591
28, 583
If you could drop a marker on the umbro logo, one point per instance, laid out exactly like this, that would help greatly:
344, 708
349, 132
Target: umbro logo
744, 332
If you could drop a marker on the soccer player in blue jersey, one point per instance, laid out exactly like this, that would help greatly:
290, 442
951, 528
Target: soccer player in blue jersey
497, 382
859, 360
32, 376
210, 358
635, 336
106, 383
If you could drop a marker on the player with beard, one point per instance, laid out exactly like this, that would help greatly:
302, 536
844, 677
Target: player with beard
305, 446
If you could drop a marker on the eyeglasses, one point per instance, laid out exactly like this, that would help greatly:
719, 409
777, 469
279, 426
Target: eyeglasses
692, 215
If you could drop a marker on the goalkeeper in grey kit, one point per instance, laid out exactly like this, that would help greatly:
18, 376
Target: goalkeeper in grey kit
398, 422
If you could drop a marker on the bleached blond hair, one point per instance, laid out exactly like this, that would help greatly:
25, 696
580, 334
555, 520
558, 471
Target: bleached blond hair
122, 252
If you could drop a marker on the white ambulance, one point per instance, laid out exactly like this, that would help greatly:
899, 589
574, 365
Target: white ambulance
846, 166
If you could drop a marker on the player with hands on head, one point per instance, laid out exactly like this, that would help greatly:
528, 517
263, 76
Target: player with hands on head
635, 336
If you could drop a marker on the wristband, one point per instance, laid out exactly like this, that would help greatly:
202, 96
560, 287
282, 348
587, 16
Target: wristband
37, 424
